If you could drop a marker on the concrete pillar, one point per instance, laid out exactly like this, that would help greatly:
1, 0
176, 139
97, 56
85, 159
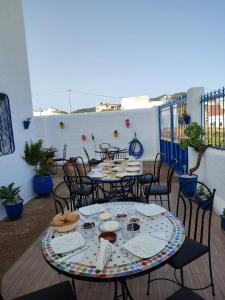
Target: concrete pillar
193, 103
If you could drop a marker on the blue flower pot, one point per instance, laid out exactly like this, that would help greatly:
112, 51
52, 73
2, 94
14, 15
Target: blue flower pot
188, 184
43, 185
26, 124
187, 119
223, 222
205, 204
14, 211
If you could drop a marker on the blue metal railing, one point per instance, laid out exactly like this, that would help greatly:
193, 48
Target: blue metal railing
171, 130
213, 118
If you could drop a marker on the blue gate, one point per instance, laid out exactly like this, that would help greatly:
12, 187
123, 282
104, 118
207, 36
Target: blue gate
171, 130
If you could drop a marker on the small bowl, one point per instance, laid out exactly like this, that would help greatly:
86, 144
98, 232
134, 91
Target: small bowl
109, 236
121, 216
134, 220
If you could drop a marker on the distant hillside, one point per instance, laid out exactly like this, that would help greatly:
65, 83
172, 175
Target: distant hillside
83, 110
173, 96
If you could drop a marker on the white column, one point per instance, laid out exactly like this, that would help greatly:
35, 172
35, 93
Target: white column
193, 103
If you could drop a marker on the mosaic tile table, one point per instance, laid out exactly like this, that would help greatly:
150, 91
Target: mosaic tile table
121, 264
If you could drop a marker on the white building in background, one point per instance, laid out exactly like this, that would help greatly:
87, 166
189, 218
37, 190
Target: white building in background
139, 102
47, 112
107, 106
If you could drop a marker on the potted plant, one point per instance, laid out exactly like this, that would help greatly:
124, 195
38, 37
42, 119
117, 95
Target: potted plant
10, 198
202, 196
223, 220
186, 118
193, 138
26, 123
38, 157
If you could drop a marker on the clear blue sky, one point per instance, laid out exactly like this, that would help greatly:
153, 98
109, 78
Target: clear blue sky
122, 48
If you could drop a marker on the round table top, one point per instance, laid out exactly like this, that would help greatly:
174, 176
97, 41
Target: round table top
83, 266
120, 168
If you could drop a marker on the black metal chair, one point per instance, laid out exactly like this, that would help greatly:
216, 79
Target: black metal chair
80, 186
196, 217
161, 189
57, 160
58, 291
155, 177
92, 161
185, 294
61, 197
121, 154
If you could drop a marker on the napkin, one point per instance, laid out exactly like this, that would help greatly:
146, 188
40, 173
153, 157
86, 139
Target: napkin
150, 210
145, 245
105, 252
67, 242
91, 209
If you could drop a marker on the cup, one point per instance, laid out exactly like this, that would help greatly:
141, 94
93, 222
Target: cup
88, 230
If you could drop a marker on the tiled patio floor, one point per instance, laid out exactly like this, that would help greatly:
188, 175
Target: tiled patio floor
30, 273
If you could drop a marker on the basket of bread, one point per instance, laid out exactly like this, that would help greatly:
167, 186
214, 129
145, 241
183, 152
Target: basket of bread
65, 222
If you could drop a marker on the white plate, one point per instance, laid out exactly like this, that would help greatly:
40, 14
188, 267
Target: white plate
91, 209
145, 246
133, 163
67, 242
132, 169
120, 175
150, 210
110, 226
97, 175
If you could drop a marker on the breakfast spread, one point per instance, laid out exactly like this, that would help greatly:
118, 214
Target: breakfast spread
65, 222
104, 216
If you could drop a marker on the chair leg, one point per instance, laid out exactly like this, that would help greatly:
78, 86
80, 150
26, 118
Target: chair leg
168, 200
160, 197
115, 291
74, 289
149, 279
182, 277
211, 276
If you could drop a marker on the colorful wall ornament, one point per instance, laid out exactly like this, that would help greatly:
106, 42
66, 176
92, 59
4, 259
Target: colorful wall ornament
115, 133
61, 125
83, 137
127, 123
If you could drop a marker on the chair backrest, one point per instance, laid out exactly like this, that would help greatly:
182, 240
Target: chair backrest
158, 164
79, 166
64, 151
112, 152
86, 153
126, 187
170, 173
61, 197
195, 211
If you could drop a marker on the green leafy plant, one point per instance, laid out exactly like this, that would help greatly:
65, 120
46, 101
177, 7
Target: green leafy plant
9, 194
223, 213
203, 192
193, 136
38, 157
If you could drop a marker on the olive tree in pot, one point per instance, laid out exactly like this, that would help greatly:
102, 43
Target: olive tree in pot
193, 138
10, 198
38, 157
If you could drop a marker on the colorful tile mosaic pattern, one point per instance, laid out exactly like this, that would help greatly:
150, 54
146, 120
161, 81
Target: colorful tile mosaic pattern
120, 264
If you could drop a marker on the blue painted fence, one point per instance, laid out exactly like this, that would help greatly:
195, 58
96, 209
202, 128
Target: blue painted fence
171, 130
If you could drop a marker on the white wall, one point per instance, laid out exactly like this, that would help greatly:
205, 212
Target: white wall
143, 121
14, 81
212, 168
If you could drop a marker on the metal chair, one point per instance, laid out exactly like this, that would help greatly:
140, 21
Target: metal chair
58, 291
185, 294
155, 177
57, 160
160, 189
92, 161
103, 150
81, 193
61, 200
196, 217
